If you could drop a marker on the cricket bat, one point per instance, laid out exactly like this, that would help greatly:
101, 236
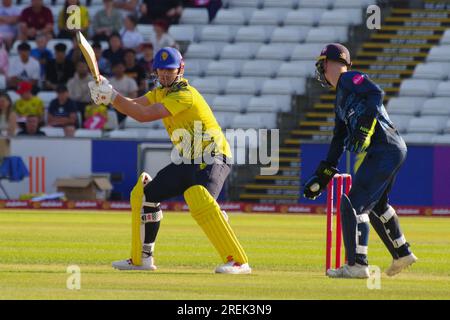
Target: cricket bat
89, 56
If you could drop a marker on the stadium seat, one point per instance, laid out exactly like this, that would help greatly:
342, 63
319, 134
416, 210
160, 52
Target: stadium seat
423, 138
2, 82
230, 68
445, 37
436, 106
87, 133
439, 54
53, 131
124, 134
341, 17
432, 71
230, 17
248, 85
194, 16
417, 88
296, 68
289, 34
253, 34
239, 51
269, 103
113, 122
327, 34
202, 51
442, 138
148, 32
285, 86
47, 97
267, 17
230, 103
304, 17
351, 3
443, 89
51, 44
93, 9
275, 51
260, 68
159, 134
405, 105
14, 52
307, 51
195, 67
427, 124
217, 33
13, 95
180, 32
290, 4
316, 3
211, 85
447, 126
401, 122
131, 123
256, 121
224, 118
245, 3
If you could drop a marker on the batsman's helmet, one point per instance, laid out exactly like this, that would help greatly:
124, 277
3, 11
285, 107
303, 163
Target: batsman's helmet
168, 58
335, 52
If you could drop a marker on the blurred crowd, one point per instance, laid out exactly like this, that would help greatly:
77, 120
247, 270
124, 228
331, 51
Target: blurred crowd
38, 54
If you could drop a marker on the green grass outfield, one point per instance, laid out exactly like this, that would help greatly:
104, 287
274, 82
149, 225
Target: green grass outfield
286, 253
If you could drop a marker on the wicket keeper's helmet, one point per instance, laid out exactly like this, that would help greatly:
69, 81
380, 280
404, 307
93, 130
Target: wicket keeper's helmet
335, 52
168, 58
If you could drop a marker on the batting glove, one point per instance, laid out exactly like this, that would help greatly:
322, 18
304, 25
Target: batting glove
103, 92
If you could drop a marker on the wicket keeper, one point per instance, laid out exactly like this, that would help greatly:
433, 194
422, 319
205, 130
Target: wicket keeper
180, 106
361, 125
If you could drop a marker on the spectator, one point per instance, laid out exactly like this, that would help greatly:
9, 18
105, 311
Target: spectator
32, 127
41, 53
23, 67
146, 59
28, 104
96, 116
134, 71
161, 38
167, 10
62, 111
103, 64
9, 17
35, 19
212, 6
4, 64
123, 84
127, 7
78, 86
7, 116
115, 52
106, 21
74, 55
66, 33
131, 38
60, 70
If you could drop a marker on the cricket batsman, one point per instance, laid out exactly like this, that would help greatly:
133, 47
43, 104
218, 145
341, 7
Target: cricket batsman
361, 125
181, 108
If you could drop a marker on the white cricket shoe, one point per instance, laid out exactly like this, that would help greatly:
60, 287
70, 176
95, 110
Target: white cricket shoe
357, 271
147, 264
401, 263
233, 267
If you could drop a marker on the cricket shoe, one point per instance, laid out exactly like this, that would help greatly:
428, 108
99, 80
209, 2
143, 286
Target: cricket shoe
127, 264
357, 271
401, 263
233, 267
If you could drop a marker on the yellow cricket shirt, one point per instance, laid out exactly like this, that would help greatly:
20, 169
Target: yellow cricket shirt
190, 116
32, 107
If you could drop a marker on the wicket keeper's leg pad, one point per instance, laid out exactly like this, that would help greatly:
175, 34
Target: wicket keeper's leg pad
387, 225
206, 211
139, 218
355, 229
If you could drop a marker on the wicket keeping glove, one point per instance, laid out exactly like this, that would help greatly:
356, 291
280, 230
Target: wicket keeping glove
319, 181
103, 92
359, 141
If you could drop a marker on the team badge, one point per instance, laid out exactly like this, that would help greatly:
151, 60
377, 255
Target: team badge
164, 55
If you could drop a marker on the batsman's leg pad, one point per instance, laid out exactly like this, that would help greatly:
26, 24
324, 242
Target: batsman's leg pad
388, 228
140, 216
355, 229
206, 211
